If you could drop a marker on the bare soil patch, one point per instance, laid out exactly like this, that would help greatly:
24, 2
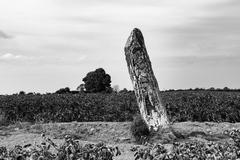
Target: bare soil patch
112, 133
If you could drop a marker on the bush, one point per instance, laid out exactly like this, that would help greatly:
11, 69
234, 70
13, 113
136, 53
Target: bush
139, 129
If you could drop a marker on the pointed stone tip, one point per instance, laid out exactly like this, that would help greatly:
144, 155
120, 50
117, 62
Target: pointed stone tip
137, 31
136, 35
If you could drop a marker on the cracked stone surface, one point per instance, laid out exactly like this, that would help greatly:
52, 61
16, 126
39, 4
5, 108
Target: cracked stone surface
144, 82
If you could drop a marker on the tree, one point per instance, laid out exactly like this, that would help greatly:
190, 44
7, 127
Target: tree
97, 81
115, 88
81, 88
212, 89
63, 90
124, 90
226, 89
22, 93
144, 82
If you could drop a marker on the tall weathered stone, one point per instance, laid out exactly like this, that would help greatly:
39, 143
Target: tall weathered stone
144, 82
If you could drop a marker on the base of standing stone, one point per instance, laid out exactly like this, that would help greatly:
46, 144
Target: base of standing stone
163, 136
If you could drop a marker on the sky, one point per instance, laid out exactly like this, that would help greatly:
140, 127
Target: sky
50, 44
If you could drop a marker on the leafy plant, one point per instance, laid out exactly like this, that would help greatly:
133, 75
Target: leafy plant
139, 129
69, 150
195, 150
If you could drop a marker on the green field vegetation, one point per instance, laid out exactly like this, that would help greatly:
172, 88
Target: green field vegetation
205, 105
68, 107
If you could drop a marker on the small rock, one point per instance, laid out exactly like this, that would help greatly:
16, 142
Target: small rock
123, 139
91, 132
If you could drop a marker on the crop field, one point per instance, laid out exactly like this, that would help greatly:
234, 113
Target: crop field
53, 126
212, 106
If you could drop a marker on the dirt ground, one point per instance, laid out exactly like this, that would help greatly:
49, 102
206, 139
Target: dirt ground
112, 133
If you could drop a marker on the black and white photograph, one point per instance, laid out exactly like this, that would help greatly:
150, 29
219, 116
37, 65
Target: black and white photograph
119, 80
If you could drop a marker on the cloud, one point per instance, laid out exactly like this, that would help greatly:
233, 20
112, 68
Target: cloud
53, 60
76, 36
4, 35
211, 35
10, 56
200, 61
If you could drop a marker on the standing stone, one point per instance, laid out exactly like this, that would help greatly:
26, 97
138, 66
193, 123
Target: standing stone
144, 82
